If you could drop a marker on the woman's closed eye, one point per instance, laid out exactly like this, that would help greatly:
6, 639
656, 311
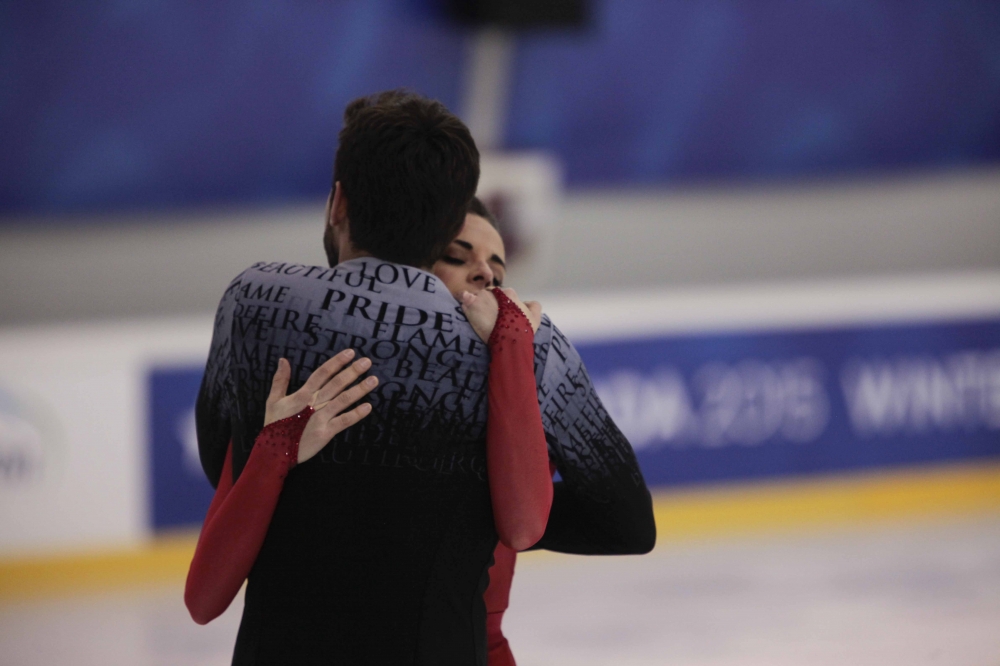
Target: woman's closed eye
454, 261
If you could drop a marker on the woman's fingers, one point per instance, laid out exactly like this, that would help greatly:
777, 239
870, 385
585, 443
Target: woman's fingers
531, 309
341, 381
481, 312
482, 301
322, 374
319, 431
279, 383
338, 403
341, 423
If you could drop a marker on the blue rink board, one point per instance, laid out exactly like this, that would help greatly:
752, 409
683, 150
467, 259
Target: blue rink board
724, 407
179, 491
704, 408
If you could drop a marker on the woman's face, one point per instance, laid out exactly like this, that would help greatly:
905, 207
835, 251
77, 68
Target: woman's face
474, 260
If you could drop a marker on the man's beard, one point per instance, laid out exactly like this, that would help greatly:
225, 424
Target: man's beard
330, 245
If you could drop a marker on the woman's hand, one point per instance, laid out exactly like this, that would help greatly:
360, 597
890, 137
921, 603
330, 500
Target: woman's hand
329, 392
481, 310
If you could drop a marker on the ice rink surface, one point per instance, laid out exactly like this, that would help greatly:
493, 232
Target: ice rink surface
902, 595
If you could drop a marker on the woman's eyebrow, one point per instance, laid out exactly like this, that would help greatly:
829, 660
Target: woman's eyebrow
468, 246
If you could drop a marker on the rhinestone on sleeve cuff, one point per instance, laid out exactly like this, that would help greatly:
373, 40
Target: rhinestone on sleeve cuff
281, 439
511, 323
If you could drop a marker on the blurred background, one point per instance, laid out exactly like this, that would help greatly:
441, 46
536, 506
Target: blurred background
771, 227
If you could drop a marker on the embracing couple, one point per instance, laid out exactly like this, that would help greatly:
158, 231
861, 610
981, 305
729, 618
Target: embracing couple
383, 433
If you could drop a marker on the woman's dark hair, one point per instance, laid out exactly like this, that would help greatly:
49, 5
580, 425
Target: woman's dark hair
408, 168
477, 207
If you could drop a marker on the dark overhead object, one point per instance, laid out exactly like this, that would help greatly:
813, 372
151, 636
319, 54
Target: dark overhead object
520, 13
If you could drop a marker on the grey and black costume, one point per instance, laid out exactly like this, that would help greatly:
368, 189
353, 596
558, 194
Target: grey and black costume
379, 547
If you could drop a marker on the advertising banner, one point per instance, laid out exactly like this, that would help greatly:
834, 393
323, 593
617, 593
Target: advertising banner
703, 408
180, 492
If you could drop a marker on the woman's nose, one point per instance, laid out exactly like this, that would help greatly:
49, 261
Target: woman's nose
483, 272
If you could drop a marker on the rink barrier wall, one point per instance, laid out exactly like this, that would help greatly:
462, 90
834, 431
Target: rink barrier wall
788, 507
97, 453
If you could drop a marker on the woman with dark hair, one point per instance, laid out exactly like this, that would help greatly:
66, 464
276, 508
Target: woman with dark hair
598, 511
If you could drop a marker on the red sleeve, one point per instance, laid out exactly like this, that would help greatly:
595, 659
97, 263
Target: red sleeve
225, 485
517, 458
238, 518
496, 598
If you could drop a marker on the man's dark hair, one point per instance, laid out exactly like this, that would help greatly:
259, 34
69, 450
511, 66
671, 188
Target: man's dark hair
477, 207
408, 168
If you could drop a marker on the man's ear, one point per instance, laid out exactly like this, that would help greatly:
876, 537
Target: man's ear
336, 206
328, 216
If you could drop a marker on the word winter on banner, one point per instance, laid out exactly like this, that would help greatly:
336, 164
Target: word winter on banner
955, 393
